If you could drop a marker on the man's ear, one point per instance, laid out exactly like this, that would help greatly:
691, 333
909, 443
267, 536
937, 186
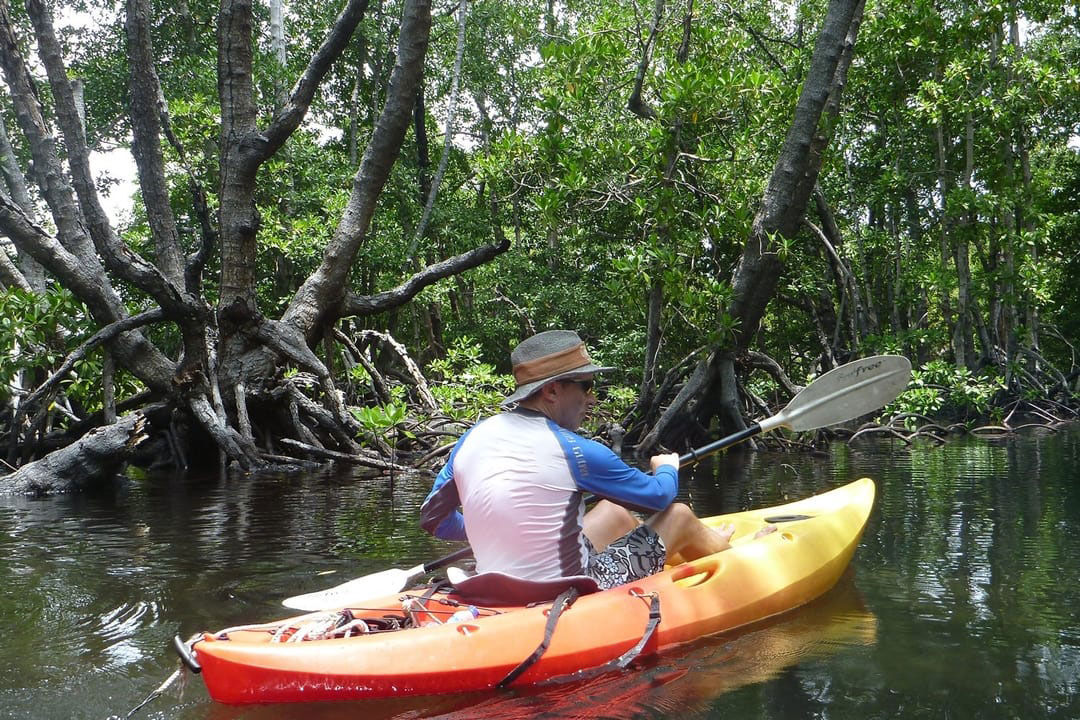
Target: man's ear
549, 391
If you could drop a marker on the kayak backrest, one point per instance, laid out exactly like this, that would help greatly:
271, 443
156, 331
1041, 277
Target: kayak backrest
496, 588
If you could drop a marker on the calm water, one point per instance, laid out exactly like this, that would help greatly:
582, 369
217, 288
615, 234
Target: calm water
961, 602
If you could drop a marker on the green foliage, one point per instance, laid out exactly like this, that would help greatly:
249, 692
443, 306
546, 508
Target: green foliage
37, 333
465, 387
942, 389
603, 206
613, 403
379, 420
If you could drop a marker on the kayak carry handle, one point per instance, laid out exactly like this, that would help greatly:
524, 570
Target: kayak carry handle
186, 656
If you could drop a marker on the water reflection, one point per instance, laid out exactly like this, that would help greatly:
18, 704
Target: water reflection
965, 588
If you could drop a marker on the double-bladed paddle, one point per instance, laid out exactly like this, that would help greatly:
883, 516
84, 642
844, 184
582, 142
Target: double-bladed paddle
842, 394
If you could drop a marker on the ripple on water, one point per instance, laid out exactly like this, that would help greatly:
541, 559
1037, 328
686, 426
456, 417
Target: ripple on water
125, 620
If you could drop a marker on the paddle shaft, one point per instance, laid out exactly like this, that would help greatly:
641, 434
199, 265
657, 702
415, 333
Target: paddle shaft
716, 446
447, 559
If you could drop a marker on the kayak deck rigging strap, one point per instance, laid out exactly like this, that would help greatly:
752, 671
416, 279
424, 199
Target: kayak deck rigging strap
650, 627
564, 601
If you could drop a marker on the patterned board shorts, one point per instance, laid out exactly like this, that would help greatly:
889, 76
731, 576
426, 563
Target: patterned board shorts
637, 554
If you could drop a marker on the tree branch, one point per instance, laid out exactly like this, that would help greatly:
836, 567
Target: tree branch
636, 103
118, 257
147, 106
29, 269
99, 338
422, 388
91, 286
763, 362
390, 299
48, 171
303, 92
324, 290
11, 276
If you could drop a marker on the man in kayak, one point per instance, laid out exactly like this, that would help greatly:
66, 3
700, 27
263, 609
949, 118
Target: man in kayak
520, 478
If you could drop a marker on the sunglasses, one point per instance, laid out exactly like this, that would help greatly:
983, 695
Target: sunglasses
586, 385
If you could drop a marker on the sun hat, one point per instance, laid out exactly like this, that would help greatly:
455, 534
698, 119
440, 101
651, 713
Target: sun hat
546, 357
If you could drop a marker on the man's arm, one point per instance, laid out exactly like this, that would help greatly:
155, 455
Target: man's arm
598, 470
439, 515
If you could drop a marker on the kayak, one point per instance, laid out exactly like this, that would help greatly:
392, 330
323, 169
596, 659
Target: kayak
421, 642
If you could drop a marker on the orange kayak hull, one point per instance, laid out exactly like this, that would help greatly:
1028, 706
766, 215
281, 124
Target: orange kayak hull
753, 580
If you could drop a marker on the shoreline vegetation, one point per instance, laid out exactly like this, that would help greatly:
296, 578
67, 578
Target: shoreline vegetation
424, 412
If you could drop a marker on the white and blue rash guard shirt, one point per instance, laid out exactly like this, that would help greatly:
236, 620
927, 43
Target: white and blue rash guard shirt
520, 480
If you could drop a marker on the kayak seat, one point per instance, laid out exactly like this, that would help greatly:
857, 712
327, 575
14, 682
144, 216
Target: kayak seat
496, 588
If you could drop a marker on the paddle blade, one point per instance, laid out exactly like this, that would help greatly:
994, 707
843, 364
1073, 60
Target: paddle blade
846, 392
456, 575
355, 591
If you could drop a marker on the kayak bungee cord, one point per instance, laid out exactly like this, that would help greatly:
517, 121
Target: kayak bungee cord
320, 626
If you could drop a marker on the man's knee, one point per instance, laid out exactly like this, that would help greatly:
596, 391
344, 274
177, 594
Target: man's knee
670, 523
607, 522
683, 511
677, 513
614, 514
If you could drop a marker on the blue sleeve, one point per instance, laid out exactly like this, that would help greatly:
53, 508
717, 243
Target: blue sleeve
598, 470
439, 515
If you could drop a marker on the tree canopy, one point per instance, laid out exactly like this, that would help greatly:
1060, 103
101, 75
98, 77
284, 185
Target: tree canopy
348, 213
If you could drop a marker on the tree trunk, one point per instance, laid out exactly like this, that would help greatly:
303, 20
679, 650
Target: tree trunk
963, 344
355, 104
429, 190
918, 305
1024, 220
97, 455
945, 186
239, 161
277, 52
896, 287
795, 174
652, 341
846, 282
668, 162
781, 215
30, 270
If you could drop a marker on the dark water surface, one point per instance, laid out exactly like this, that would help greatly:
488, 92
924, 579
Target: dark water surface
963, 599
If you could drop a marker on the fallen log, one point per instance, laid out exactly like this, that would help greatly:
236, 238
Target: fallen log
94, 457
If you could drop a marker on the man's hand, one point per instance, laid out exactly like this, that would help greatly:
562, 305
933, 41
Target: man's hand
666, 459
